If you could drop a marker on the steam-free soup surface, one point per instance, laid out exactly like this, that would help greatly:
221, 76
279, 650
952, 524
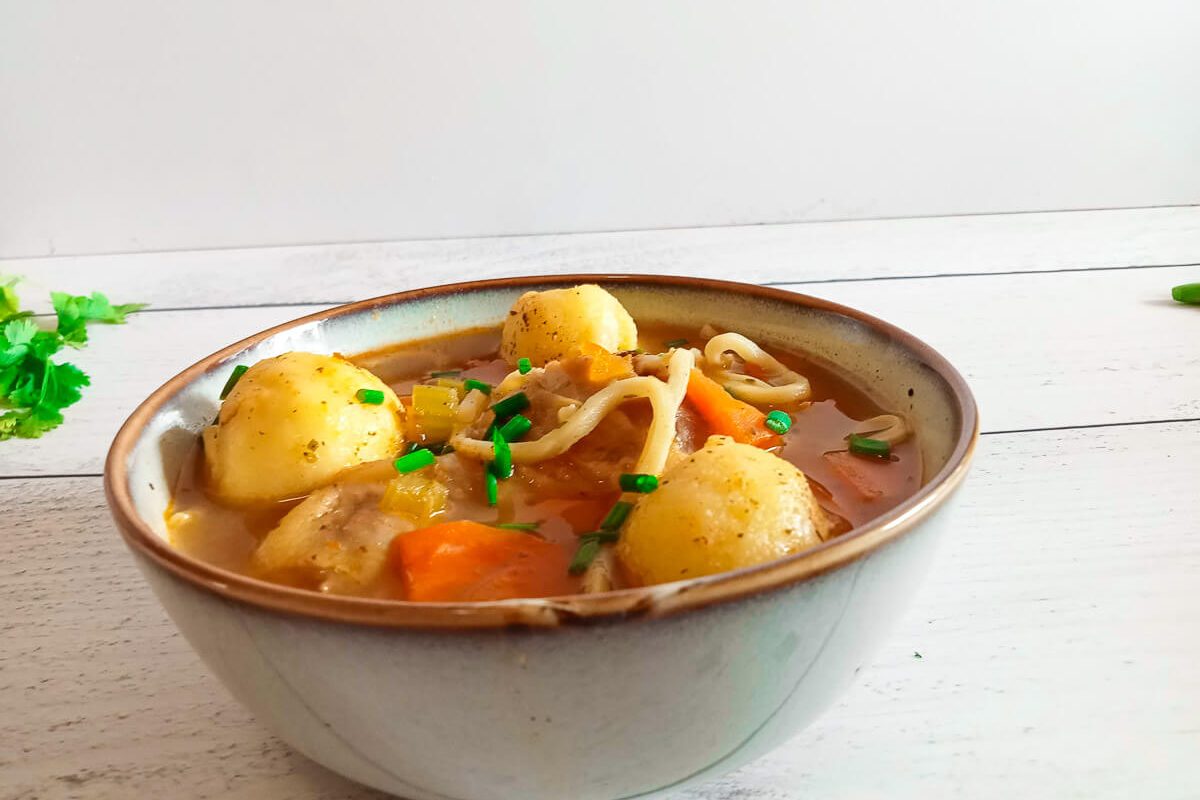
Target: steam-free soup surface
545, 507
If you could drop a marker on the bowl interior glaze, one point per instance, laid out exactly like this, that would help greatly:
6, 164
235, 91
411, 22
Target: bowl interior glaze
902, 373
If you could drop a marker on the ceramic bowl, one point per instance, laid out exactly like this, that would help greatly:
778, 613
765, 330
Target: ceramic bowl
627, 694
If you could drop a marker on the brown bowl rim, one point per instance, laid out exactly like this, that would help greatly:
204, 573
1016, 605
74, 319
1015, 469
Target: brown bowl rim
650, 601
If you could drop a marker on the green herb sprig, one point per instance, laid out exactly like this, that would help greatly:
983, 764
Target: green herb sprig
33, 387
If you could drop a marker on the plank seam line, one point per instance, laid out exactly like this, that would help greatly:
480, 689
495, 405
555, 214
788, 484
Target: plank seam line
1091, 426
1050, 429
605, 231
982, 274
302, 303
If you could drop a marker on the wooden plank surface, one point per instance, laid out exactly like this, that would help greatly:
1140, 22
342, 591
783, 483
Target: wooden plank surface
1040, 350
765, 253
1058, 632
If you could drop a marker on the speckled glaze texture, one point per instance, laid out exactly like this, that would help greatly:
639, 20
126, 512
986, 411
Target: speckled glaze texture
629, 694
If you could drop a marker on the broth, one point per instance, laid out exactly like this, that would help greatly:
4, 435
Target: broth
850, 489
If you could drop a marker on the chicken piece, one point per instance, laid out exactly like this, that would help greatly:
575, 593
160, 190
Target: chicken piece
336, 540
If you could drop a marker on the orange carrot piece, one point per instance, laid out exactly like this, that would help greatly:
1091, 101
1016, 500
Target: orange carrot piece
726, 415
852, 470
600, 367
469, 561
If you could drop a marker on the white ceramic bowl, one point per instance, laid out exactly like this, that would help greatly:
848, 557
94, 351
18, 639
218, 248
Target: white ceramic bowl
621, 695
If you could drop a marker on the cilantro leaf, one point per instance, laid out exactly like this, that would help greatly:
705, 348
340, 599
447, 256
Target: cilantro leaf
33, 387
76, 311
15, 337
28, 423
10, 304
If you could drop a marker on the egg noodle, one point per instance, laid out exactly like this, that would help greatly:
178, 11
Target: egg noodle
665, 399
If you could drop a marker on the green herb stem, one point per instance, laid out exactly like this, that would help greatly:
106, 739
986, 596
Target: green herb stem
510, 405
864, 446
418, 459
515, 428
370, 397
234, 377
638, 482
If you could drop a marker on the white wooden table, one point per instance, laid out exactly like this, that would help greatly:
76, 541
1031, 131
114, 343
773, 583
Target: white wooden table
1059, 635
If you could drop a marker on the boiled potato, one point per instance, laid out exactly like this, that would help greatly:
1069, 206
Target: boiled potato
292, 423
724, 507
545, 326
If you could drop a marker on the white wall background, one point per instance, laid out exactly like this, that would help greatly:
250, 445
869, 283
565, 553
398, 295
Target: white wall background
147, 125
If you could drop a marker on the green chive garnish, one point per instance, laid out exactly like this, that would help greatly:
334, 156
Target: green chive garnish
584, 556
616, 517
446, 373
519, 526
493, 488
417, 459
603, 537
510, 405
471, 383
515, 428
1187, 293
863, 446
675, 343
502, 465
779, 421
524, 365
638, 482
234, 377
371, 397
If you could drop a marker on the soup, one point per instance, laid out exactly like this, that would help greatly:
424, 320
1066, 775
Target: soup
571, 451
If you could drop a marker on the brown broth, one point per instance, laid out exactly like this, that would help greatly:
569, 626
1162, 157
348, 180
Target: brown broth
227, 537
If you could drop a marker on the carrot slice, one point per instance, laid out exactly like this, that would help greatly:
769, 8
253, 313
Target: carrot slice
468, 561
852, 470
726, 415
594, 364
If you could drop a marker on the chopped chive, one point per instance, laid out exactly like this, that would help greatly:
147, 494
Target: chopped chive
446, 373
863, 446
417, 459
510, 405
603, 537
492, 487
471, 383
616, 516
675, 343
234, 377
519, 526
584, 556
371, 397
524, 365
1187, 293
515, 428
779, 421
638, 482
502, 465
441, 448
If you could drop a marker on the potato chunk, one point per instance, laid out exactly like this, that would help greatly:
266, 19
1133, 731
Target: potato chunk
292, 423
335, 541
545, 326
724, 507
